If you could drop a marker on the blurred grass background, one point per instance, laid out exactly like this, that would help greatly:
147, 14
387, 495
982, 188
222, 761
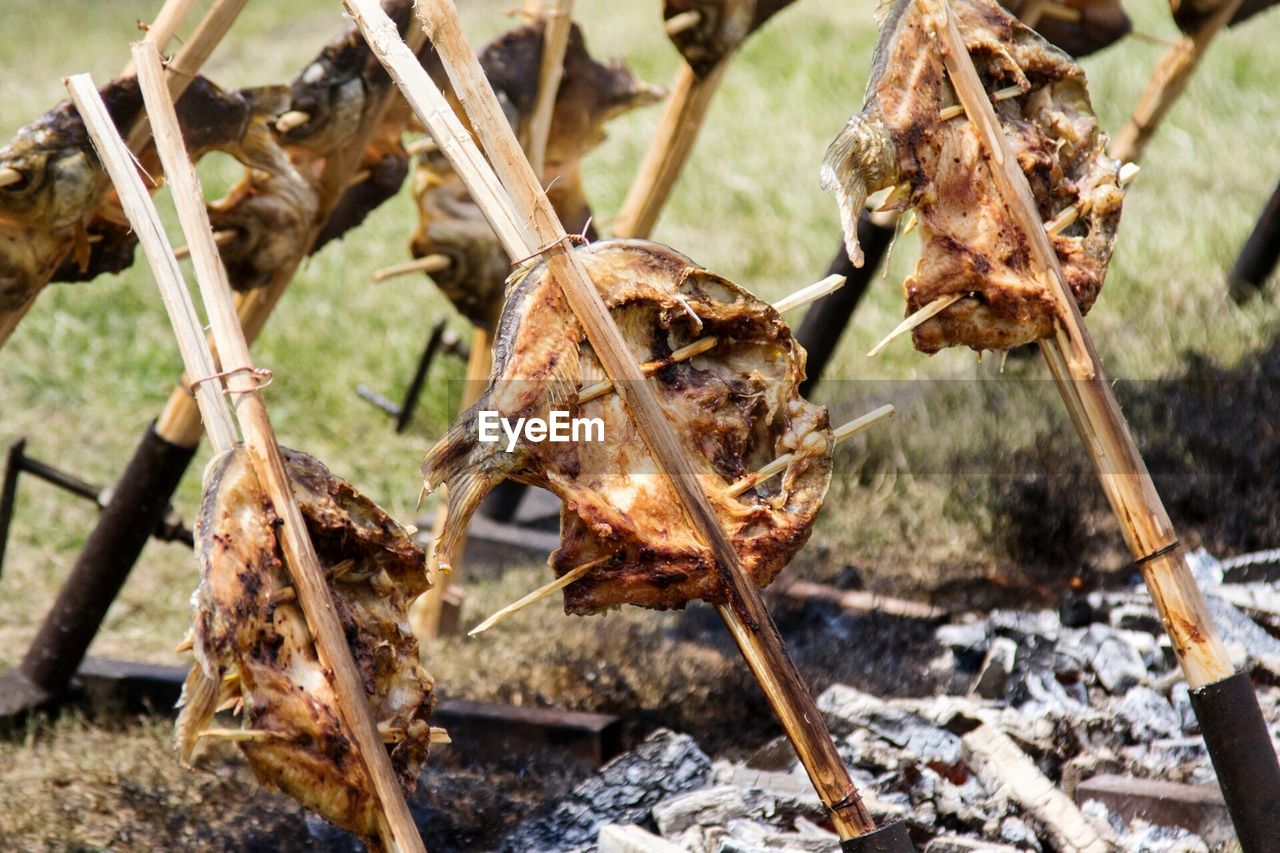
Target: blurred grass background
92, 364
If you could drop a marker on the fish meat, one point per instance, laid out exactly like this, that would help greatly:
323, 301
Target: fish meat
971, 245
254, 652
720, 27
591, 94
735, 407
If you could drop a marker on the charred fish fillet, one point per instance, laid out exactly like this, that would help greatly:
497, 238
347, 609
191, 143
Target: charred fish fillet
736, 407
591, 94
971, 243
253, 648
714, 28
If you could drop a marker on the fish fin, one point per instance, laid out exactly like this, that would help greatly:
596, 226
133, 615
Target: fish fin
447, 454
198, 703
566, 375
860, 160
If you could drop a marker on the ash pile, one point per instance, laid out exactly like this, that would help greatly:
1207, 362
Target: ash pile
1065, 730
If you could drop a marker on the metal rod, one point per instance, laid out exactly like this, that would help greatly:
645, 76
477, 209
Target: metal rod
1258, 258
419, 377
9, 492
826, 320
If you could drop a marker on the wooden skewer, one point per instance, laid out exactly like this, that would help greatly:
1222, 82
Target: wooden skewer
264, 454
1075, 365
1059, 224
838, 435
426, 264
539, 232
9, 175
421, 145
668, 152
955, 110
1168, 79
558, 20
221, 238
291, 120
240, 735
682, 21
925, 313
537, 595
803, 296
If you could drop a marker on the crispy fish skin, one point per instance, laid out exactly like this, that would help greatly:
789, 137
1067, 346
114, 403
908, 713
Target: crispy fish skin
736, 408
251, 642
591, 94
971, 244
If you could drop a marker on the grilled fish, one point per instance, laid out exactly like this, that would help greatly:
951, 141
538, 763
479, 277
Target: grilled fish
1101, 23
254, 652
591, 94
720, 27
971, 244
736, 407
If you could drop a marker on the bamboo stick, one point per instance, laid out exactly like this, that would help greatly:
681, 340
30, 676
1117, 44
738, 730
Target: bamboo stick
222, 238
162, 30
746, 616
558, 20
803, 296
9, 175
1168, 79
927, 312
264, 453
669, 151
1075, 365
136, 202
184, 67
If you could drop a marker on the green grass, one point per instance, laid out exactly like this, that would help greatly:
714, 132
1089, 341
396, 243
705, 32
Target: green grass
92, 364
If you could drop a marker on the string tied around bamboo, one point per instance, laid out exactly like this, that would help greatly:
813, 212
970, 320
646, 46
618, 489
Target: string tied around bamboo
262, 376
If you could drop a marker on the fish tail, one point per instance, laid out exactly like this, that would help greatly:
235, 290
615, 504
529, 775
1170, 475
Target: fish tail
454, 463
467, 488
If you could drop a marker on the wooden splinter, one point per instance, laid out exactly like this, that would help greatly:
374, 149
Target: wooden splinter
427, 264
514, 203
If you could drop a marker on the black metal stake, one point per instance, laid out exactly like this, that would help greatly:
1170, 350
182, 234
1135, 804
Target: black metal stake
137, 506
9, 491
825, 321
1258, 258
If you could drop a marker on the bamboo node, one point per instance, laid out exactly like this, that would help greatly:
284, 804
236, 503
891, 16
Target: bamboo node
264, 376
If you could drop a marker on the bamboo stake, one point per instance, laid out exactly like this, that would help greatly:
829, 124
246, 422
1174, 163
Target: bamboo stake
1075, 365
1168, 79
162, 30
555, 40
427, 264
264, 453
669, 151
803, 296
558, 20
182, 69
136, 202
746, 616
